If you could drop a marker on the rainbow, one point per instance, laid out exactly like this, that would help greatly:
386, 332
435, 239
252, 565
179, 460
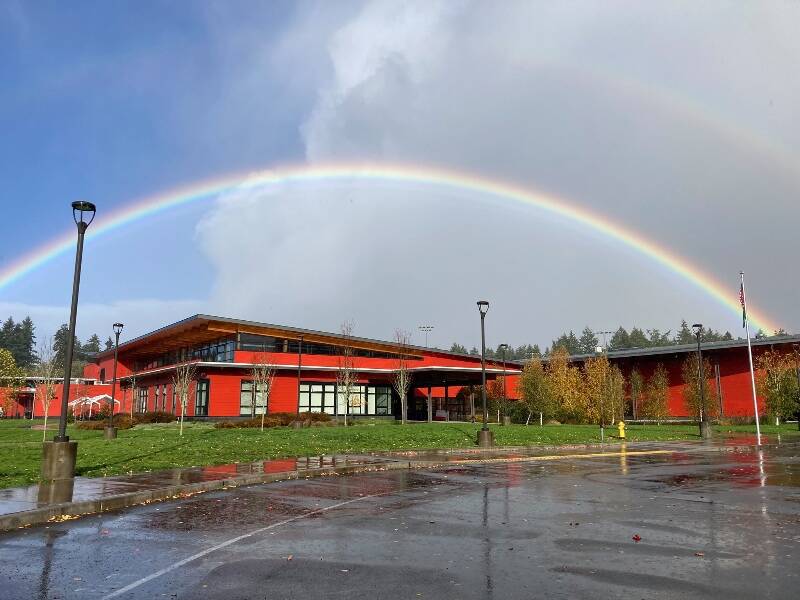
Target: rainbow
464, 182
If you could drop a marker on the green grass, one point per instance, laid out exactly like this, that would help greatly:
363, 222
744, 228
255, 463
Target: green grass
155, 447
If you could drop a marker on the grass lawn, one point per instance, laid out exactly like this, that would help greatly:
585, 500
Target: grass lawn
155, 447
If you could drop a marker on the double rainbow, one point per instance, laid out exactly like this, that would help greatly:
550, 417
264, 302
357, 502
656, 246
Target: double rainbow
454, 180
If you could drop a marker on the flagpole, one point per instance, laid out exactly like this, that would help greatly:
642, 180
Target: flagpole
750, 355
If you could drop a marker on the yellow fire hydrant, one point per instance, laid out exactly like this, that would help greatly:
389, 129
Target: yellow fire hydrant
621, 427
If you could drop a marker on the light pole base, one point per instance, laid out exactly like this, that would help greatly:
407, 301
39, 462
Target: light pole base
110, 433
485, 438
705, 430
58, 472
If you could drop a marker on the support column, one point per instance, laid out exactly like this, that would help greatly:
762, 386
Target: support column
430, 406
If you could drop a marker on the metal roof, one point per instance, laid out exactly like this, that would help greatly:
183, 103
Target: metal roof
309, 335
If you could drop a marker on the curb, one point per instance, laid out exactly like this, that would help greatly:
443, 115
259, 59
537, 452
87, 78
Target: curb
73, 510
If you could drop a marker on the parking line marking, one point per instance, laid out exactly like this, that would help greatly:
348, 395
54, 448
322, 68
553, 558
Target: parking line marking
202, 553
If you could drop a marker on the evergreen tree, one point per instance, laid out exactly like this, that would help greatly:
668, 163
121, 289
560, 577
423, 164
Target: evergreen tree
569, 342
588, 341
684, 334
620, 340
637, 339
92, 346
60, 346
656, 338
27, 344
110, 345
475, 352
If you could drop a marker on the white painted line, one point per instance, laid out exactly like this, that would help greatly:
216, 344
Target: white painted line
225, 544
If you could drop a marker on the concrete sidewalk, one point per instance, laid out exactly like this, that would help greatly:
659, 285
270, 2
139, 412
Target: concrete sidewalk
19, 506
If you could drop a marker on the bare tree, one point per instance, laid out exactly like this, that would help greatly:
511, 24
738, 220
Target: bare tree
346, 375
182, 383
402, 376
263, 373
46, 371
132, 387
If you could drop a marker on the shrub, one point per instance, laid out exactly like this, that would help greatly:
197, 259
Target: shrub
314, 417
155, 416
120, 422
283, 419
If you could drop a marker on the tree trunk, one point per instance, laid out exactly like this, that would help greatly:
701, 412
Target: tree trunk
528, 420
403, 403
183, 411
44, 433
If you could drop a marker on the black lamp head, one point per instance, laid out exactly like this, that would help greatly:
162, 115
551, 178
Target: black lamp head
118, 328
483, 307
81, 208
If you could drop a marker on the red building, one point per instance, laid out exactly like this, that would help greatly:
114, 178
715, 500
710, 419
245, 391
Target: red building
306, 364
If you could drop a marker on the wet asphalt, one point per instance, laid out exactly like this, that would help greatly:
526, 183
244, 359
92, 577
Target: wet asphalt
688, 523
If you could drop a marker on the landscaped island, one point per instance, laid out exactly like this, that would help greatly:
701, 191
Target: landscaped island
158, 446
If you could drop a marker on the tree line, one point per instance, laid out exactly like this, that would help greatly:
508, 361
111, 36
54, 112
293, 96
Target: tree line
19, 338
589, 341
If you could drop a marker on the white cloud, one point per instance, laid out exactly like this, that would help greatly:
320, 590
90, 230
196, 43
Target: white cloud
540, 94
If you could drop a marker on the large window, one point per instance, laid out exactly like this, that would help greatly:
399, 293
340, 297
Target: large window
164, 397
363, 400
142, 407
201, 398
157, 390
246, 398
318, 397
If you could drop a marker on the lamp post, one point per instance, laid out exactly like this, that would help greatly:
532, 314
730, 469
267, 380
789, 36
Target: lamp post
485, 436
58, 457
111, 431
503, 348
797, 372
705, 427
426, 329
598, 353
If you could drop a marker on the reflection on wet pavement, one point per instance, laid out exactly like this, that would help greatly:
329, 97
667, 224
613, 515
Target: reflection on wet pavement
687, 523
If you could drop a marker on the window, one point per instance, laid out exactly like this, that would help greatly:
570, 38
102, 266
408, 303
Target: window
103, 374
318, 397
174, 400
157, 391
201, 398
364, 399
246, 399
164, 397
142, 399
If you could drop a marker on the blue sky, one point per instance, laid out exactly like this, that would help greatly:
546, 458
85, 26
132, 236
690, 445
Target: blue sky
615, 106
108, 102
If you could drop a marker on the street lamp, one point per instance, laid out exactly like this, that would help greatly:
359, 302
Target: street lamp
705, 427
58, 457
485, 436
111, 432
503, 348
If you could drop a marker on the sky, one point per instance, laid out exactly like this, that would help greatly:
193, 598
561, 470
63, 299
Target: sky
676, 120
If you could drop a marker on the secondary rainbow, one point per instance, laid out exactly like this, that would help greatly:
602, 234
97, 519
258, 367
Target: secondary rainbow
399, 173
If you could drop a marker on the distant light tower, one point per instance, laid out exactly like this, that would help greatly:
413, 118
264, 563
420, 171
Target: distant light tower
426, 329
705, 428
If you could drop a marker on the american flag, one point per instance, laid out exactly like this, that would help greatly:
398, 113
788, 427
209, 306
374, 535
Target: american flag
744, 306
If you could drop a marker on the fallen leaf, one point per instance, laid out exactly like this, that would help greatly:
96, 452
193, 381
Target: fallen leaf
636, 537
699, 553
